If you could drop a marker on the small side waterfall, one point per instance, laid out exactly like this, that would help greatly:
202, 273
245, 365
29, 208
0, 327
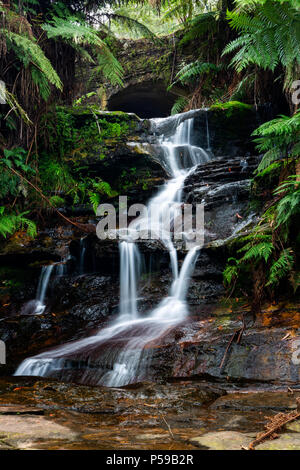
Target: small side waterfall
82, 254
121, 349
208, 148
49, 274
42, 288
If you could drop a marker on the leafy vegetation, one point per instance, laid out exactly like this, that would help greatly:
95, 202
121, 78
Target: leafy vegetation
278, 139
10, 223
269, 36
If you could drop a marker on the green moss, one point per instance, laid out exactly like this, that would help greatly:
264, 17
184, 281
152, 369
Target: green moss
231, 108
78, 136
158, 65
75, 133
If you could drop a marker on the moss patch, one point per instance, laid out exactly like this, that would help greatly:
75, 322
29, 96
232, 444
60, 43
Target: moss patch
231, 108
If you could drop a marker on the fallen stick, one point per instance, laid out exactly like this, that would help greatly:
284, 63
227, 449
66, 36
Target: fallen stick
239, 334
275, 425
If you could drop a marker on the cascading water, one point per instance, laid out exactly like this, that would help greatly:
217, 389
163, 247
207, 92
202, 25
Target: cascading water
48, 274
82, 253
133, 361
42, 289
122, 346
129, 275
208, 148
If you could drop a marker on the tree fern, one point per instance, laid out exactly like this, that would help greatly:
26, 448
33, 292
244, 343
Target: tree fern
191, 71
289, 205
260, 251
94, 200
77, 34
28, 52
198, 26
179, 9
131, 24
278, 138
230, 272
269, 35
103, 187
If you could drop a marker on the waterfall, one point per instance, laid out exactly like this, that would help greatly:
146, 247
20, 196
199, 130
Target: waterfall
42, 289
133, 362
60, 269
82, 252
207, 132
130, 268
124, 354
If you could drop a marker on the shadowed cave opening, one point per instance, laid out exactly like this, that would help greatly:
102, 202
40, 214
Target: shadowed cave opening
147, 100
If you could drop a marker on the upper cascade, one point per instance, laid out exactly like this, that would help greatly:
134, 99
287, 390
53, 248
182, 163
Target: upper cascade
175, 142
168, 126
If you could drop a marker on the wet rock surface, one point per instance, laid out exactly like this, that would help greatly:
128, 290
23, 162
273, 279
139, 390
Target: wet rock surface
44, 414
265, 354
223, 186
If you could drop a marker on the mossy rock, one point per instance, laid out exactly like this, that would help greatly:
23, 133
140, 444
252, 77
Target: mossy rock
232, 109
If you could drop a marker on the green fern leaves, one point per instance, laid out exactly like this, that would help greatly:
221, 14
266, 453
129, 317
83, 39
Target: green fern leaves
29, 52
281, 267
278, 138
194, 69
10, 223
289, 205
265, 245
77, 34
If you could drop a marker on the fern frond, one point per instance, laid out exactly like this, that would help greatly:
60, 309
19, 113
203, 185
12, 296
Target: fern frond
81, 34
262, 250
28, 52
179, 105
281, 267
94, 200
132, 25
230, 273
268, 36
10, 223
198, 26
194, 69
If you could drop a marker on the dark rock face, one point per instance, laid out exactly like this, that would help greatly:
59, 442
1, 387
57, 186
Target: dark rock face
230, 127
223, 186
76, 305
261, 356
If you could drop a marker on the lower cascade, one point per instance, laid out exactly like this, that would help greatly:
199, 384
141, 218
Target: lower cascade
120, 354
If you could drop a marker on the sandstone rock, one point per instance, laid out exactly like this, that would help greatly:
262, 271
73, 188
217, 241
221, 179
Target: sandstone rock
223, 440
